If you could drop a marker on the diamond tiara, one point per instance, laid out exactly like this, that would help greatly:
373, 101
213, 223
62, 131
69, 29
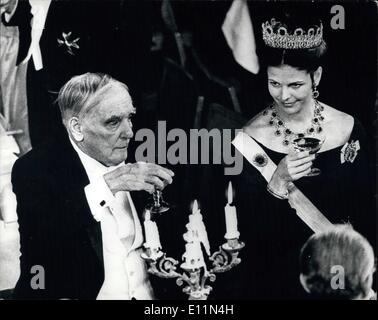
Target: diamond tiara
299, 39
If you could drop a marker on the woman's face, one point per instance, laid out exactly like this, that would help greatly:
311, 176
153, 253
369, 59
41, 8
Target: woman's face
291, 88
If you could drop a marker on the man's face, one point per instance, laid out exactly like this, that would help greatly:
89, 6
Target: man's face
107, 128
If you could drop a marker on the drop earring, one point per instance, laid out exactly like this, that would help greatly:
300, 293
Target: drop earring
315, 92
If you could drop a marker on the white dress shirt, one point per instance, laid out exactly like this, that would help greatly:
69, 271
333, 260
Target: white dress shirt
125, 271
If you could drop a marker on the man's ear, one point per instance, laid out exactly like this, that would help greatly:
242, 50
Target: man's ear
75, 129
303, 280
318, 75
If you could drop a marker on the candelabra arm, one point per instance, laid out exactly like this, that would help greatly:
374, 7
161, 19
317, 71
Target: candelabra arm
227, 256
162, 266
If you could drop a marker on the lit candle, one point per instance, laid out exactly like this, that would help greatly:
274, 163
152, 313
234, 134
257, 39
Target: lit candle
195, 207
198, 227
195, 219
230, 214
152, 233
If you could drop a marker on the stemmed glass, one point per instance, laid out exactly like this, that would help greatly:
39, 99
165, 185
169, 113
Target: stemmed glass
311, 144
157, 204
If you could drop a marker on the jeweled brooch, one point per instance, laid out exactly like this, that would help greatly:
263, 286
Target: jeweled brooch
349, 151
68, 43
260, 160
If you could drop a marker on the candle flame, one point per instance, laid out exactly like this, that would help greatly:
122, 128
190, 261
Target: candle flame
229, 193
195, 207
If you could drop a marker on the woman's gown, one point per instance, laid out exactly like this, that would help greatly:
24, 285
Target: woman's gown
274, 234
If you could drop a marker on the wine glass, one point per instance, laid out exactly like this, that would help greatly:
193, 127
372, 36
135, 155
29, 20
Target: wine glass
311, 144
157, 204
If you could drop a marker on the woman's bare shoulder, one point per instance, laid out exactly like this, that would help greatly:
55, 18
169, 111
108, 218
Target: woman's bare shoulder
335, 113
338, 118
337, 124
256, 126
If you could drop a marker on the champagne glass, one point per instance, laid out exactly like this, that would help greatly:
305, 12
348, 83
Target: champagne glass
311, 144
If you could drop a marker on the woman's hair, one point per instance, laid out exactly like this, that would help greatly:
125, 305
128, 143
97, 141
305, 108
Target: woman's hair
340, 249
308, 59
302, 59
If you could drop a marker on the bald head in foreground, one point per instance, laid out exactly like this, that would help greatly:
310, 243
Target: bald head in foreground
338, 264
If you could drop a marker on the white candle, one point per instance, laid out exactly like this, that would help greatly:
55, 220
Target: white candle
197, 225
195, 207
152, 233
193, 255
230, 215
195, 219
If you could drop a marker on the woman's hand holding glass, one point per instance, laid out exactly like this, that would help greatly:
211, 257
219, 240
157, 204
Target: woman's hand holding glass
295, 165
311, 144
292, 167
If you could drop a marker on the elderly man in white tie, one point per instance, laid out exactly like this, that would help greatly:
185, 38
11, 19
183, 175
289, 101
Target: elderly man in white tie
80, 233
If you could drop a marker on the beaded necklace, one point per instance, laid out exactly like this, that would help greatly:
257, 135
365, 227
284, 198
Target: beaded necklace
288, 135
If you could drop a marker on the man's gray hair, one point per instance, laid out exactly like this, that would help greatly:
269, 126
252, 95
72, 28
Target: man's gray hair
339, 246
80, 91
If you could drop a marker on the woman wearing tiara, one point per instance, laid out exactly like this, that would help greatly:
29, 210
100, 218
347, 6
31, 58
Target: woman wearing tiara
339, 192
